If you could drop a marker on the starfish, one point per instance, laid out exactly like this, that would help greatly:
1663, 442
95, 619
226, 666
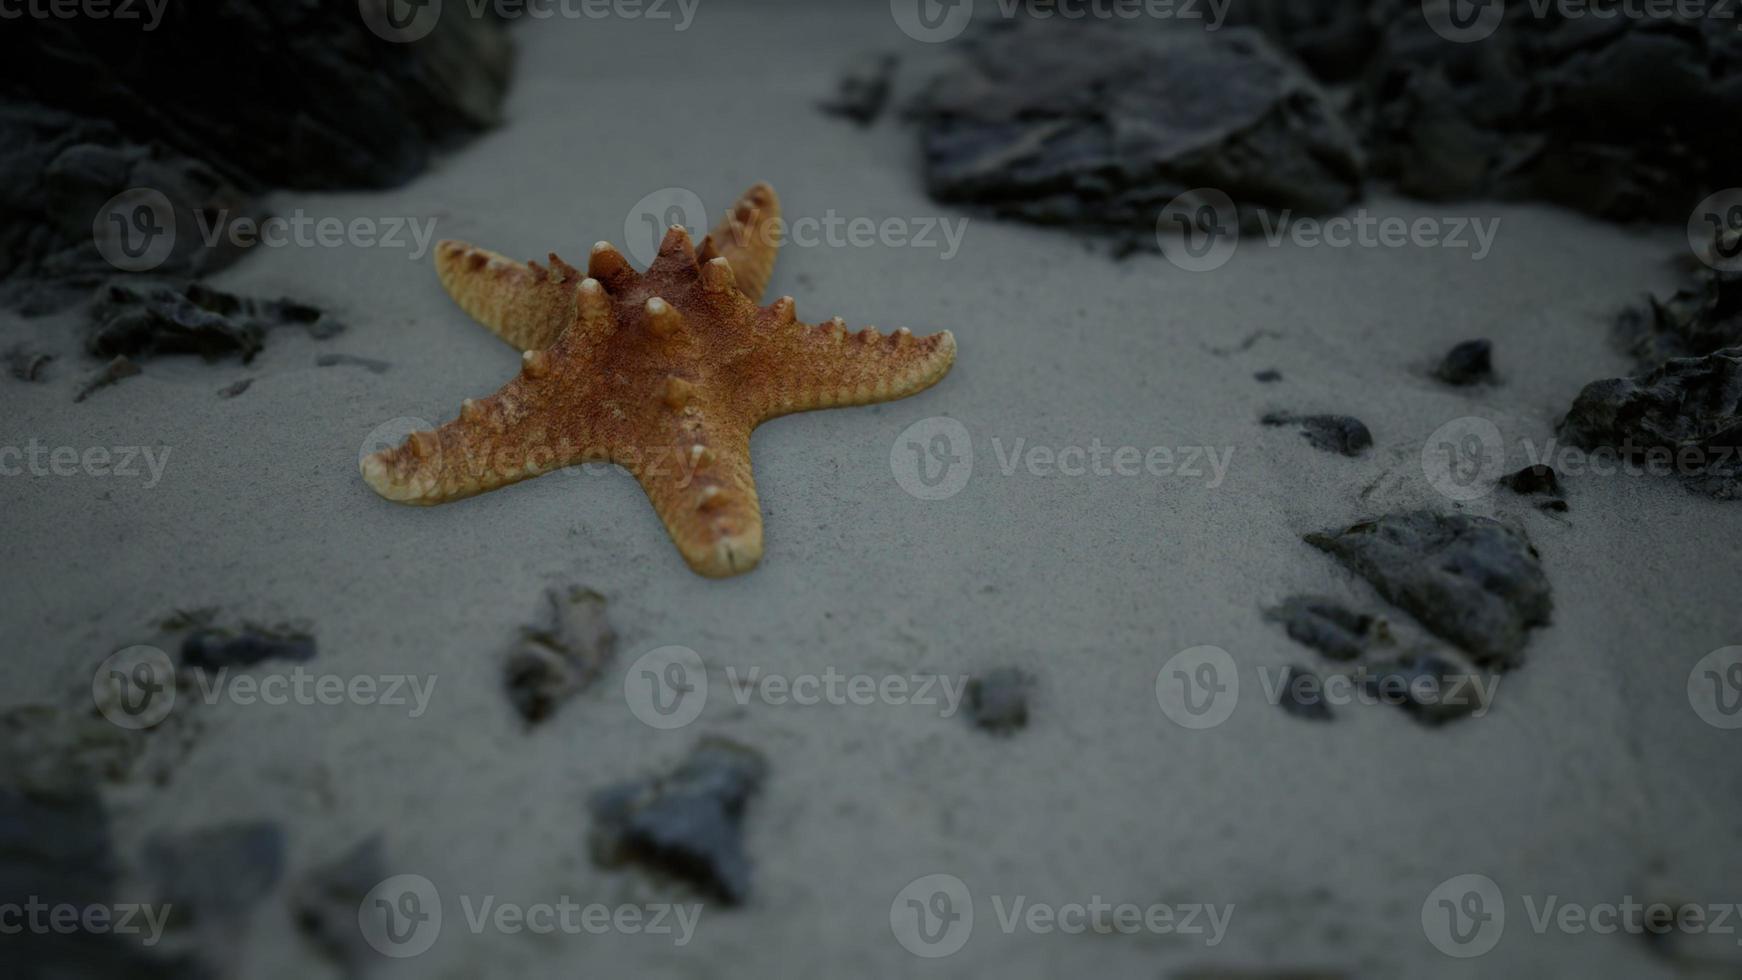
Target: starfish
664, 373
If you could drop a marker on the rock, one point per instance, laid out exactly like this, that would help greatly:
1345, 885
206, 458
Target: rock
369, 364
119, 369
1683, 418
1537, 480
1333, 38
96, 106
998, 701
688, 823
1327, 626
1431, 687
1470, 580
562, 657
213, 876
148, 320
212, 649
1619, 117
1703, 317
1130, 116
863, 90
1267, 376
1302, 695
231, 391
1332, 433
326, 900
1467, 363
27, 364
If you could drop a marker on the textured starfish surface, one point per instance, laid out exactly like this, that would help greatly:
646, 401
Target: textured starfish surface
664, 373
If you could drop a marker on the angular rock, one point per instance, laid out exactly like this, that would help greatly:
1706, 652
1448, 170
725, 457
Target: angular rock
1619, 117
563, 656
1341, 434
1537, 480
998, 700
1328, 626
1470, 580
1703, 317
1302, 695
689, 823
1267, 376
863, 89
1333, 38
1467, 363
147, 320
1431, 687
213, 648
1683, 418
119, 369
1130, 116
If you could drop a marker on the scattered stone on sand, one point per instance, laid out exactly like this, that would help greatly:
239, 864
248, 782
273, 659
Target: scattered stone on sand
1703, 317
997, 701
150, 319
1302, 694
213, 648
561, 657
231, 391
863, 90
1332, 433
1467, 363
1333, 38
27, 364
1432, 687
119, 369
109, 107
1470, 580
325, 901
688, 823
1130, 116
369, 364
1246, 343
1537, 480
1328, 626
1684, 418
1267, 376
213, 876
56, 849
1619, 117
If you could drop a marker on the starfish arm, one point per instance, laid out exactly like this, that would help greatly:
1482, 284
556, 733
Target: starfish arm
808, 367
748, 238
516, 434
525, 304
705, 494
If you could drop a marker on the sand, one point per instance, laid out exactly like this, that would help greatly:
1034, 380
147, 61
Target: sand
1590, 779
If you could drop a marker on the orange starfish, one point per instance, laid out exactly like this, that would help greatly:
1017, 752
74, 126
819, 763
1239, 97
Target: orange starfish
664, 373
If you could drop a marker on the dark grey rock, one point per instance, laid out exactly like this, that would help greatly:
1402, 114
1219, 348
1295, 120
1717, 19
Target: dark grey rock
998, 700
1332, 433
1619, 117
1430, 686
369, 364
561, 657
862, 92
1467, 363
1683, 418
214, 648
1328, 626
1471, 580
1267, 376
142, 320
1702, 317
27, 364
119, 369
1302, 695
1333, 38
1537, 480
231, 391
689, 823
1129, 116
